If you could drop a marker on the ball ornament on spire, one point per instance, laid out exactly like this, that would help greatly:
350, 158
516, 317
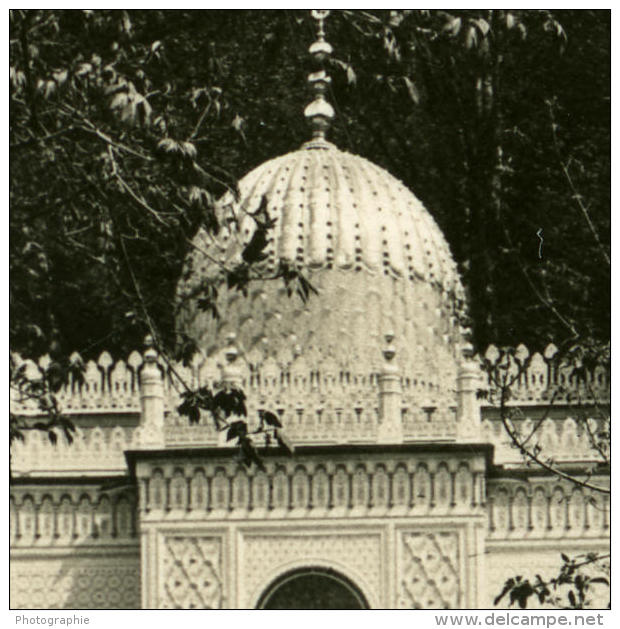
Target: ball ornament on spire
319, 112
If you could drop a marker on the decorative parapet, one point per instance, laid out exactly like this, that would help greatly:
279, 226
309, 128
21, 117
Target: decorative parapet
112, 387
541, 379
101, 450
318, 400
107, 387
95, 451
545, 508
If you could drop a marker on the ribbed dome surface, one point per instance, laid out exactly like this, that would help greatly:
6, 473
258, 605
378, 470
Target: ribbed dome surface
338, 209
376, 255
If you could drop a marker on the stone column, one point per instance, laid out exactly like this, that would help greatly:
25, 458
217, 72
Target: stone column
151, 400
468, 405
390, 397
232, 376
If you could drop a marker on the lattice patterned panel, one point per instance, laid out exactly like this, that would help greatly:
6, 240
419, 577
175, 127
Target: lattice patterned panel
358, 555
75, 584
192, 573
429, 571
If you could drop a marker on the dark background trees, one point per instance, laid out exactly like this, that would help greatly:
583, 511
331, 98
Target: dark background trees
125, 126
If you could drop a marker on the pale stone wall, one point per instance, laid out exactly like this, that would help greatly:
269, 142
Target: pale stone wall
395, 563
76, 581
402, 526
73, 546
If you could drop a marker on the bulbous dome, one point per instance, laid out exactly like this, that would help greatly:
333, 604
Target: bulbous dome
376, 256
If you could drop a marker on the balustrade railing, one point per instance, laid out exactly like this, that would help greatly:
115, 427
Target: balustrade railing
543, 378
109, 386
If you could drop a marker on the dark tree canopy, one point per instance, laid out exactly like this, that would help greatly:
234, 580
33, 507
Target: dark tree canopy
125, 126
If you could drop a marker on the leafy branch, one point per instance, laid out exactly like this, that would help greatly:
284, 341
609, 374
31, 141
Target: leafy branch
571, 588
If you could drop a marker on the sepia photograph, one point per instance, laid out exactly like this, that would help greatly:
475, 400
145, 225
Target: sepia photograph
310, 310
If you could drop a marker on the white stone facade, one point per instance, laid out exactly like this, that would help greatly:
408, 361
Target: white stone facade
111, 522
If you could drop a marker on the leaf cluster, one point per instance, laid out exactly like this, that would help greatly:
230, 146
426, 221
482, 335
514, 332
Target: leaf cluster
571, 588
39, 390
228, 411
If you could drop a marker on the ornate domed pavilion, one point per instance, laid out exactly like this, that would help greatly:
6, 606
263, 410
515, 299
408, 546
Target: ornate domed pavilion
403, 490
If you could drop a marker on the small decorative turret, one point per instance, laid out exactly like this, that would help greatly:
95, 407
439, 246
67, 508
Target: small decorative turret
468, 405
390, 396
319, 112
151, 398
231, 371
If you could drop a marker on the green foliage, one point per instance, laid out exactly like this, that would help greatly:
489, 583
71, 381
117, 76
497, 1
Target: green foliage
571, 588
229, 413
42, 387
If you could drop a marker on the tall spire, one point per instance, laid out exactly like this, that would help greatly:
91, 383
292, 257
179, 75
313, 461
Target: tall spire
319, 112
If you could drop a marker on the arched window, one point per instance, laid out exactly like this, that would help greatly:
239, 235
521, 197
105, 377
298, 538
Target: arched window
312, 588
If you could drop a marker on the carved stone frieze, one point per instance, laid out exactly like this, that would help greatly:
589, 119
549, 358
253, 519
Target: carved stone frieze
547, 509
282, 374
71, 516
546, 379
562, 439
297, 488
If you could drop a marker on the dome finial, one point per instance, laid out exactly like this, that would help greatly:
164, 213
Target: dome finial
319, 112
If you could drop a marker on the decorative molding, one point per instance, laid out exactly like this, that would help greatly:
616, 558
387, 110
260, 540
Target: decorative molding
546, 378
77, 517
429, 568
95, 450
308, 380
296, 488
107, 386
318, 399
546, 509
560, 439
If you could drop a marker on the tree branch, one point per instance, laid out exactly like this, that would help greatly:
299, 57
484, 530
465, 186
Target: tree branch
536, 459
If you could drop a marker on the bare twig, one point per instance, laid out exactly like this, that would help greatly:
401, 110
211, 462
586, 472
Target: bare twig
564, 166
536, 459
137, 198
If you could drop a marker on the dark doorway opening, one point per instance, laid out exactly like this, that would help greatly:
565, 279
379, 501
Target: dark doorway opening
312, 588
